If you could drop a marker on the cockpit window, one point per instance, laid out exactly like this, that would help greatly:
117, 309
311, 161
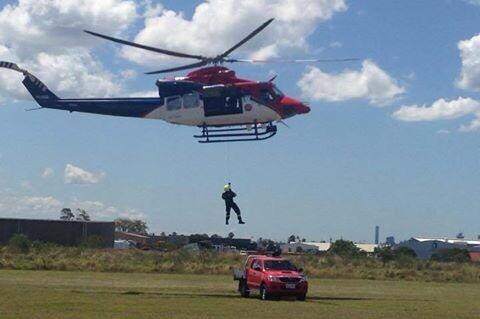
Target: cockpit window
266, 95
277, 91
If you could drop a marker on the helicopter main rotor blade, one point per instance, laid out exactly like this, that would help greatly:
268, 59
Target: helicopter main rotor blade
294, 60
246, 39
179, 68
145, 47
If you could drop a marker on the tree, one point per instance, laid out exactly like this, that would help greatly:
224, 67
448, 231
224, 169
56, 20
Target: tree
131, 225
82, 215
291, 239
344, 248
385, 254
66, 214
197, 238
139, 226
456, 255
231, 235
404, 252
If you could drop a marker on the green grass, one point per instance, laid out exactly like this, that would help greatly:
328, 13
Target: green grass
52, 295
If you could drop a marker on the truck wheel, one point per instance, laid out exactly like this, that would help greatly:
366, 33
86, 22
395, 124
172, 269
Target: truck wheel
302, 297
244, 291
264, 295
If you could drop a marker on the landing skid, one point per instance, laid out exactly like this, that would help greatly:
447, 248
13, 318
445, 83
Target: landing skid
236, 133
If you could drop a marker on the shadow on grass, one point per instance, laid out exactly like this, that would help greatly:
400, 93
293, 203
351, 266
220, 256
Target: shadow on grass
232, 296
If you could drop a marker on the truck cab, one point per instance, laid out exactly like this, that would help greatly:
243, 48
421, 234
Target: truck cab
272, 277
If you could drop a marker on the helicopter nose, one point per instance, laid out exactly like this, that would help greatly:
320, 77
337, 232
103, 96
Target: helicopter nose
292, 107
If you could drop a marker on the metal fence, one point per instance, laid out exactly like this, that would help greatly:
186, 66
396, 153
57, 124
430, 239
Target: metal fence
68, 233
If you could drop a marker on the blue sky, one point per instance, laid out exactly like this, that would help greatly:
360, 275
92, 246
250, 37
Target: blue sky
373, 156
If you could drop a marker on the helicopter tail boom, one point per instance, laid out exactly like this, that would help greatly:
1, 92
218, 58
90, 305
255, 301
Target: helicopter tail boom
128, 107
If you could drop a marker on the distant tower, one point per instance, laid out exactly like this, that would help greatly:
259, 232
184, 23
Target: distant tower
377, 234
390, 241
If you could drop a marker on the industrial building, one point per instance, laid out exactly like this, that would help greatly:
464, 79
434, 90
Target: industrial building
68, 233
426, 247
318, 248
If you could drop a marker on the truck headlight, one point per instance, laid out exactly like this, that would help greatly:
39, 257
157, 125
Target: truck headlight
274, 279
303, 278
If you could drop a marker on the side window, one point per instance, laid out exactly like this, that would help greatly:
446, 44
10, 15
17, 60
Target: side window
174, 103
254, 264
191, 100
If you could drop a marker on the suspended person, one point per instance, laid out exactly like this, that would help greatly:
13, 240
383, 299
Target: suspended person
228, 196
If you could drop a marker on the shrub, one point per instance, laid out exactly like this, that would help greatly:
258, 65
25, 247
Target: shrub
404, 252
345, 248
457, 255
385, 254
20, 243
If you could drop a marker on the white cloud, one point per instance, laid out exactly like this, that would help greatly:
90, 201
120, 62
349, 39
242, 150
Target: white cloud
439, 110
217, 25
474, 2
33, 26
132, 213
26, 184
99, 210
144, 94
443, 110
335, 45
470, 55
128, 74
28, 206
74, 73
371, 83
47, 172
77, 175
444, 132
473, 126
46, 37
49, 207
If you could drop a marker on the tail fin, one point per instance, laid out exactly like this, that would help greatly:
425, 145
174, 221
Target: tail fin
37, 89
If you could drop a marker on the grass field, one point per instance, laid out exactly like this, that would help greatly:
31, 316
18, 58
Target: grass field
49, 294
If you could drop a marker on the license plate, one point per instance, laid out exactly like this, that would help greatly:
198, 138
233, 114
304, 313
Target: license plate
290, 286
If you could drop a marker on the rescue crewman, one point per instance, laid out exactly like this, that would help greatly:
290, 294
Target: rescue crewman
228, 196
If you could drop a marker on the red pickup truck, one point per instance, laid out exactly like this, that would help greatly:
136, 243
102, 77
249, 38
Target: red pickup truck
272, 277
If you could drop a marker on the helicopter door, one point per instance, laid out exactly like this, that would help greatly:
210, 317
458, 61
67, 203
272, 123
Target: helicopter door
220, 101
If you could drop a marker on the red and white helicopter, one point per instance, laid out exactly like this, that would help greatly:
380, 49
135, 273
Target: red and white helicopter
225, 107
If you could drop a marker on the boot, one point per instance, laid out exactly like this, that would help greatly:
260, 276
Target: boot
240, 221
226, 221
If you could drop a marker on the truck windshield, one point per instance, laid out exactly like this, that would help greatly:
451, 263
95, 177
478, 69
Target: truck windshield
279, 265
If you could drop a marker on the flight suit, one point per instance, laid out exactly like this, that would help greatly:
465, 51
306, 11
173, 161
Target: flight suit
228, 197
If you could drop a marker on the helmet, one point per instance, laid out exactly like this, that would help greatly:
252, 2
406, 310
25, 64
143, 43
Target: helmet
226, 187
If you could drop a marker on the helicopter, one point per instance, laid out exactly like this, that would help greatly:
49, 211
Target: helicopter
225, 107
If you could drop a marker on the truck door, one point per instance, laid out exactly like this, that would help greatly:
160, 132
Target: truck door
254, 274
